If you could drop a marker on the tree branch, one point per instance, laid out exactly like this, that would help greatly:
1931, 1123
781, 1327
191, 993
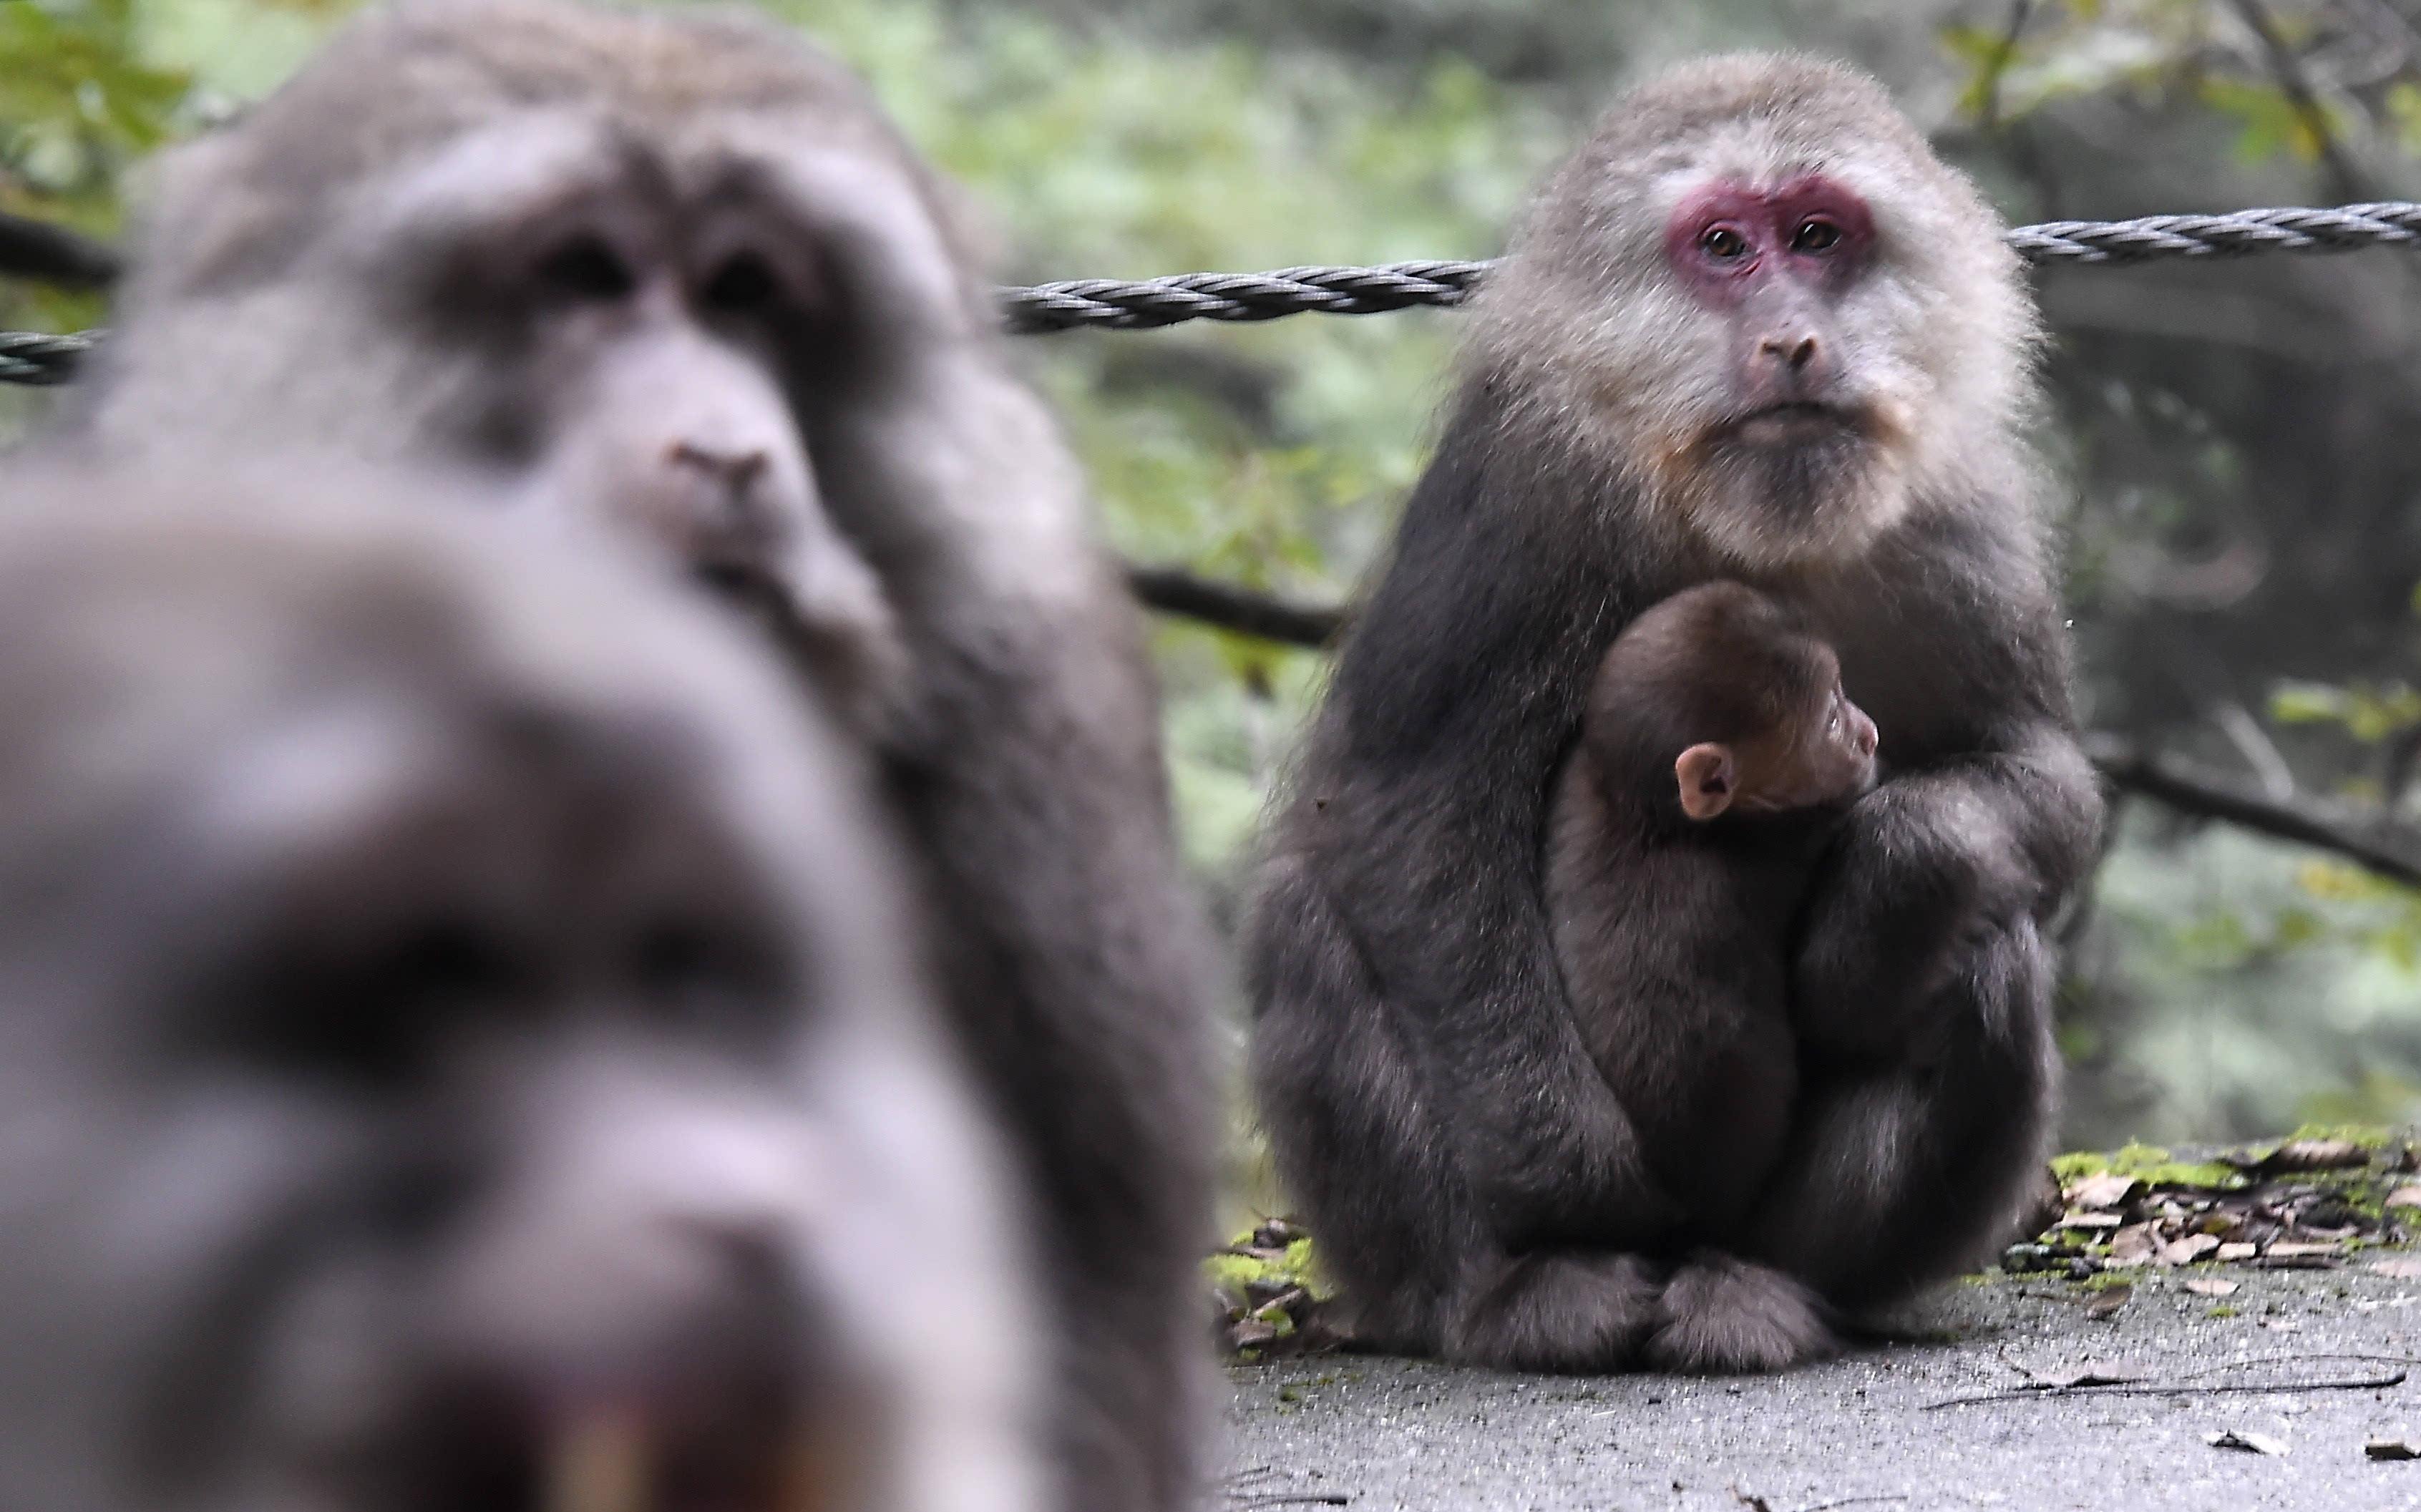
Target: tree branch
1989, 118
2369, 838
2344, 179
50, 251
1173, 591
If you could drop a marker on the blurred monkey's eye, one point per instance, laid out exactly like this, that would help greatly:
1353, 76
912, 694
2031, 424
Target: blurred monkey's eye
372, 1010
744, 285
1723, 242
585, 267
1816, 235
695, 978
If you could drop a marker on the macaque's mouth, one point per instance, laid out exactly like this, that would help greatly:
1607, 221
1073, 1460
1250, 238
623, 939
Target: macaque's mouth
610, 1462
1796, 420
747, 1446
757, 592
742, 582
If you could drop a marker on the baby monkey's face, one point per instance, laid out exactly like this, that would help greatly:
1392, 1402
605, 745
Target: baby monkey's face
1821, 754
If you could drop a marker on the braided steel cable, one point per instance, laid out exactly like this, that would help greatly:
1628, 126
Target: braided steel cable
1110, 304
1151, 303
31, 358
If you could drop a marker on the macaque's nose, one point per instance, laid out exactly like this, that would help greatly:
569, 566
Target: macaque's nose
1795, 349
1863, 734
735, 468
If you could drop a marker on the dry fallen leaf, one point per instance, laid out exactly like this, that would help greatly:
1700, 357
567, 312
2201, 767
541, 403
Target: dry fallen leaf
2107, 1303
2405, 1197
2187, 1250
2392, 1449
2210, 1287
2090, 1219
2258, 1443
1251, 1334
2107, 1189
2132, 1246
2290, 1249
2400, 1270
2234, 1251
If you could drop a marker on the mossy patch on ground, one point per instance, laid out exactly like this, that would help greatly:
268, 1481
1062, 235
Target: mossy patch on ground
1268, 1296
2310, 1200
1244, 1266
2149, 1163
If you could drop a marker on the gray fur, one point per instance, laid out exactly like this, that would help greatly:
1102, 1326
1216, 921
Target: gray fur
1429, 1095
918, 533
454, 992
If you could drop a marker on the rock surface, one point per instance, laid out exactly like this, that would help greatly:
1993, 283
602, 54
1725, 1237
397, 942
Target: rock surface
1863, 1430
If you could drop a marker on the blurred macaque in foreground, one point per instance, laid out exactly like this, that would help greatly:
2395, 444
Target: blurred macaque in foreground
458, 1050
672, 271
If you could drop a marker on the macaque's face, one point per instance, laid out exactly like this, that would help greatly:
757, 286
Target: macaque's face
1823, 757
448, 1058
1771, 265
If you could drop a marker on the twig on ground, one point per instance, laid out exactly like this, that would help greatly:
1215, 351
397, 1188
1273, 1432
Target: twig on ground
2182, 1387
1238, 1483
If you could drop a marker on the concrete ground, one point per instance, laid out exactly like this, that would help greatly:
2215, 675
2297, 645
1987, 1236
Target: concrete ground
1867, 1431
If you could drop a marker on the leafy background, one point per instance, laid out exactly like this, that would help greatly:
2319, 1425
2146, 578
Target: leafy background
2238, 442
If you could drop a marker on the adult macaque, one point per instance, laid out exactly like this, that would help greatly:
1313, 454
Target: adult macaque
1754, 329
677, 272
460, 1046
1715, 753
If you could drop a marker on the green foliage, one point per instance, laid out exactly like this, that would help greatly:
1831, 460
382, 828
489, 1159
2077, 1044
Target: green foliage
1299, 1267
76, 99
2150, 1164
2268, 120
2369, 1136
77, 105
2157, 48
2370, 713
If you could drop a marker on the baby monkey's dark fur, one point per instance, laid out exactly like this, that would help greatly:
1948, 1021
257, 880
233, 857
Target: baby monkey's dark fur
1715, 756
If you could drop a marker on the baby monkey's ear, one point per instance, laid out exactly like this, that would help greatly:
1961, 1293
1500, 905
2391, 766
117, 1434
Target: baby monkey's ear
1707, 779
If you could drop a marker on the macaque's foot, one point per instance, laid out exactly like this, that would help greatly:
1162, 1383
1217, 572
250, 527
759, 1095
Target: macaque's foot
1567, 1313
1721, 1315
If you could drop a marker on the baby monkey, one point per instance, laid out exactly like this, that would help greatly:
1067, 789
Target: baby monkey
1716, 749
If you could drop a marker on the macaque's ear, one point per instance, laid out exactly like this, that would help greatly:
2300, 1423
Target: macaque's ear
1708, 780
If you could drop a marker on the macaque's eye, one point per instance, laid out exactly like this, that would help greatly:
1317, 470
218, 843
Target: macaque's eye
1833, 721
1816, 234
374, 1013
1723, 243
694, 977
445, 961
744, 285
585, 267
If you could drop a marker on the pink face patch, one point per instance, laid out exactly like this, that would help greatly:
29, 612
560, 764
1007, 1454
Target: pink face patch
1726, 236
